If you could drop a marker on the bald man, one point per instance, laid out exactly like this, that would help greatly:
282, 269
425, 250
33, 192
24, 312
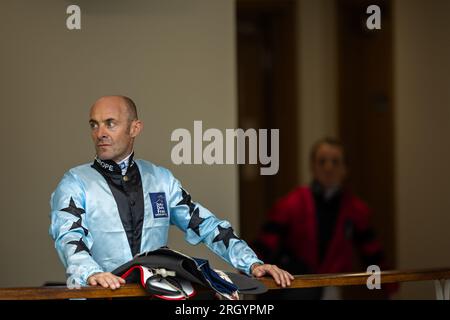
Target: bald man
104, 213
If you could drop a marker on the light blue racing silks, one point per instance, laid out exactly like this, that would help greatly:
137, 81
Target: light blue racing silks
89, 235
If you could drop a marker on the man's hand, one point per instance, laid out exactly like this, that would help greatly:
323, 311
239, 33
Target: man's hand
106, 280
280, 276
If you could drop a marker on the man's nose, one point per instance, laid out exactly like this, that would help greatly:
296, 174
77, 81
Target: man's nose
101, 133
328, 165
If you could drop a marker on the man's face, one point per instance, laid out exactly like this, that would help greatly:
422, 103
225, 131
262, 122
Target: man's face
111, 129
328, 166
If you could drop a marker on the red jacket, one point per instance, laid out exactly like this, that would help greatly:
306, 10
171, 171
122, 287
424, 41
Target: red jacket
292, 230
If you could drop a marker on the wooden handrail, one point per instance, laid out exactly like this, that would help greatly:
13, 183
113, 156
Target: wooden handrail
300, 281
349, 279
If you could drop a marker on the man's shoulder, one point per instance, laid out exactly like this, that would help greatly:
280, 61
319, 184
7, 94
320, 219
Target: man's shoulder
82, 168
358, 205
296, 196
299, 192
74, 177
75, 173
148, 167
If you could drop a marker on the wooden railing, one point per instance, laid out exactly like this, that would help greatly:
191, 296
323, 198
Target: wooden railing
440, 277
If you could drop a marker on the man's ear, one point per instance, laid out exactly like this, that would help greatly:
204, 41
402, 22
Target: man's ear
136, 128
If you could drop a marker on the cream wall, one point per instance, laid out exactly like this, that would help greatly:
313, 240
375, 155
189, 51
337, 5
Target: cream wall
317, 93
176, 58
422, 82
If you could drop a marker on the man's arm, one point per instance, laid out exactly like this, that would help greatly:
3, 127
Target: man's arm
70, 232
270, 243
365, 239
369, 246
200, 225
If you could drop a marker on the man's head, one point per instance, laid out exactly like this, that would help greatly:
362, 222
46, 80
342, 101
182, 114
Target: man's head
328, 163
114, 125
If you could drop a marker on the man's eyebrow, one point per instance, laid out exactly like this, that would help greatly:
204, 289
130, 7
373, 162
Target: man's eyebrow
107, 120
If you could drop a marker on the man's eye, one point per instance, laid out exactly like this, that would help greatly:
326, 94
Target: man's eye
110, 124
93, 125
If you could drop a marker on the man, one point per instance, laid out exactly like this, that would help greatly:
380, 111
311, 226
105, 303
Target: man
315, 228
106, 212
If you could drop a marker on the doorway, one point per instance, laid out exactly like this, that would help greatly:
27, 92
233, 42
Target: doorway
266, 69
366, 113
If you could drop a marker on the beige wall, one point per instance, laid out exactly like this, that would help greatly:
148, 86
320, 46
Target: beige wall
175, 58
422, 68
317, 93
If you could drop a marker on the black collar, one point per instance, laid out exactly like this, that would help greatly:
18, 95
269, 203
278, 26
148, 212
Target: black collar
319, 192
110, 166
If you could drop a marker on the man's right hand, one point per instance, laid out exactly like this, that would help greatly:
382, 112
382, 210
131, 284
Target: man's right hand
106, 280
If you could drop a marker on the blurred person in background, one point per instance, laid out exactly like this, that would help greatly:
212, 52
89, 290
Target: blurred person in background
318, 228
